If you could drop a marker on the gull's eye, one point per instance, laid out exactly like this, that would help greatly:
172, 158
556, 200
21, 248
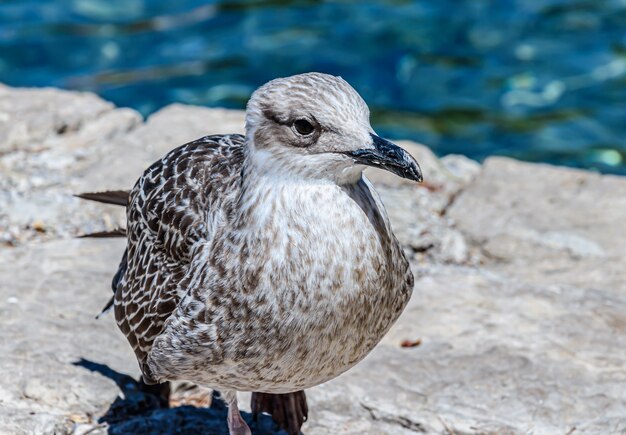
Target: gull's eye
303, 127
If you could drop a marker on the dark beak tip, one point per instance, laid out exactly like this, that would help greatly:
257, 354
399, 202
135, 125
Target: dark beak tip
417, 177
414, 171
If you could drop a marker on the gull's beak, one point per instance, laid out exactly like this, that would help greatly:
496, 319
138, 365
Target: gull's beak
388, 156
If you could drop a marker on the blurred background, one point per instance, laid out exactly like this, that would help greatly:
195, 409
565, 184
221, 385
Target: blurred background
539, 80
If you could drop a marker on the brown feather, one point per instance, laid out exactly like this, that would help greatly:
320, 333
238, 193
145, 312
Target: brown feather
117, 232
115, 197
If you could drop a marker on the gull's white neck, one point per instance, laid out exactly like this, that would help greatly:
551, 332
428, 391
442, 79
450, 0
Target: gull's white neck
284, 186
289, 167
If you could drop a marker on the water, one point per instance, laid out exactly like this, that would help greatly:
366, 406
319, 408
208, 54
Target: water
539, 80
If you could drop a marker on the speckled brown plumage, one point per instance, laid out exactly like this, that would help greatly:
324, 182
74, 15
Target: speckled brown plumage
167, 216
265, 262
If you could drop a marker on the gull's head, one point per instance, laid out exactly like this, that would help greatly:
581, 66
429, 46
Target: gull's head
317, 126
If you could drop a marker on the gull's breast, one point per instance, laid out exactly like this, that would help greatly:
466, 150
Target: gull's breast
333, 281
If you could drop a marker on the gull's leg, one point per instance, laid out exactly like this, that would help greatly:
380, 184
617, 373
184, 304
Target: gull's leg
236, 424
289, 410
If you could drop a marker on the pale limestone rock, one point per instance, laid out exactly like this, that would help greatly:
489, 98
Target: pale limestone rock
28, 116
567, 211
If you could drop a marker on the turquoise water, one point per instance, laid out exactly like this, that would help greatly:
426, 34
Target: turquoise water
540, 80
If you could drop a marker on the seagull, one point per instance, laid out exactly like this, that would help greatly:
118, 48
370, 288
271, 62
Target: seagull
264, 262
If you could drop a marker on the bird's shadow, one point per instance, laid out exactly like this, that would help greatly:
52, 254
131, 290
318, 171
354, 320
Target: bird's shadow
141, 410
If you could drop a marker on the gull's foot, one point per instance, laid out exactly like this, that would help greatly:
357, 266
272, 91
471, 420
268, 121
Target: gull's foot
236, 424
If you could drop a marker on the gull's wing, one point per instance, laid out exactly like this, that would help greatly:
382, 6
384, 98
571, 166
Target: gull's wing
169, 214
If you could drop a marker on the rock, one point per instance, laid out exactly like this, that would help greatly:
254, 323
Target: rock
519, 303
547, 224
539, 206
170, 127
29, 116
462, 168
47, 140
502, 355
48, 308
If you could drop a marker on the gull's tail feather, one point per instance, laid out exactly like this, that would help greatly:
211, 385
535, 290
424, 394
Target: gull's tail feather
106, 308
289, 411
117, 232
115, 197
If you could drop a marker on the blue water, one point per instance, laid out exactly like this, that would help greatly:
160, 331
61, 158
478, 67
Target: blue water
540, 80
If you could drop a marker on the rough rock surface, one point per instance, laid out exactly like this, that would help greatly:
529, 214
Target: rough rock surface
519, 307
